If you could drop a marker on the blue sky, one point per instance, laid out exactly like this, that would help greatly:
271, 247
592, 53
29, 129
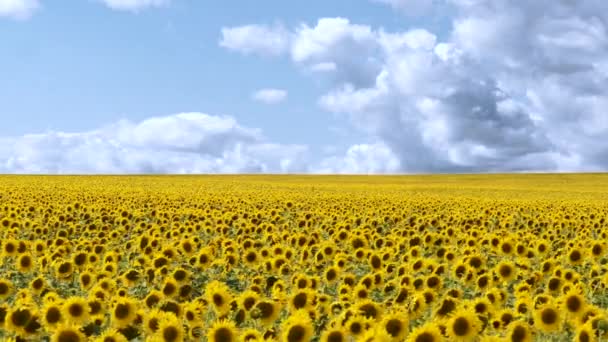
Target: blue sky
402, 95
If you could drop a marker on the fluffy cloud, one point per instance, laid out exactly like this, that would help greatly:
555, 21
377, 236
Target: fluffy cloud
256, 39
184, 143
18, 9
134, 5
515, 86
361, 159
181, 143
270, 96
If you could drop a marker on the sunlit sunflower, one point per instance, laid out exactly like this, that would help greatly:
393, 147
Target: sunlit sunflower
519, 332
463, 326
266, 311
428, 332
76, 310
123, 312
297, 328
222, 331
396, 325
548, 318
68, 333
170, 329
219, 296
111, 335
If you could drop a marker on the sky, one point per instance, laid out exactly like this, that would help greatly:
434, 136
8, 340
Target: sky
274, 86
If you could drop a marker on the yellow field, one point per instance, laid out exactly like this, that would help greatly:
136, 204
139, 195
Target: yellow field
299, 258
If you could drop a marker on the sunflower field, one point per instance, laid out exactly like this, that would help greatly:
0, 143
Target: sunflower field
304, 258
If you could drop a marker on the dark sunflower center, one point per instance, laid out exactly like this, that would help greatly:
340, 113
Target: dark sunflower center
369, 311
68, 336
3, 288
218, 300
53, 315
574, 303
461, 326
394, 327
76, 310
222, 335
548, 316
299, 301
519, 334
122, 311
266, 309
296, 333
335, 336
170, 334
21, 317
355, 328
425, 337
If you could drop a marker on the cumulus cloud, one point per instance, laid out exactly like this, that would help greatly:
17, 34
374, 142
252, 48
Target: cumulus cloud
256, 39
134, 5
184, 143
18, 9
270, 96
515, 86
180, 143
361, 159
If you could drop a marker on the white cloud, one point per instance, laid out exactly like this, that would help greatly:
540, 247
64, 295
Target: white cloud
134, 5
516, 85
256, 39
18, 9
270, 96
181, 143
361, 159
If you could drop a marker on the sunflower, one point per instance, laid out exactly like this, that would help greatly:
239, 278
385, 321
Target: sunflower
335, 334
68, 333
218, 294
170, 288
463, 326
25, 263
222, 331
251, 335
266, 311
356, 326
153, 298
396, 325
123, 312
302, 299
573, 303
170, 329
17, 319
111, 335
547, 318
429, 332
506, 271
37, 285
369, 309
63, 269
298, 327
247, 299
6, 289
152, 321
76, 310
51, 316
519, 332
